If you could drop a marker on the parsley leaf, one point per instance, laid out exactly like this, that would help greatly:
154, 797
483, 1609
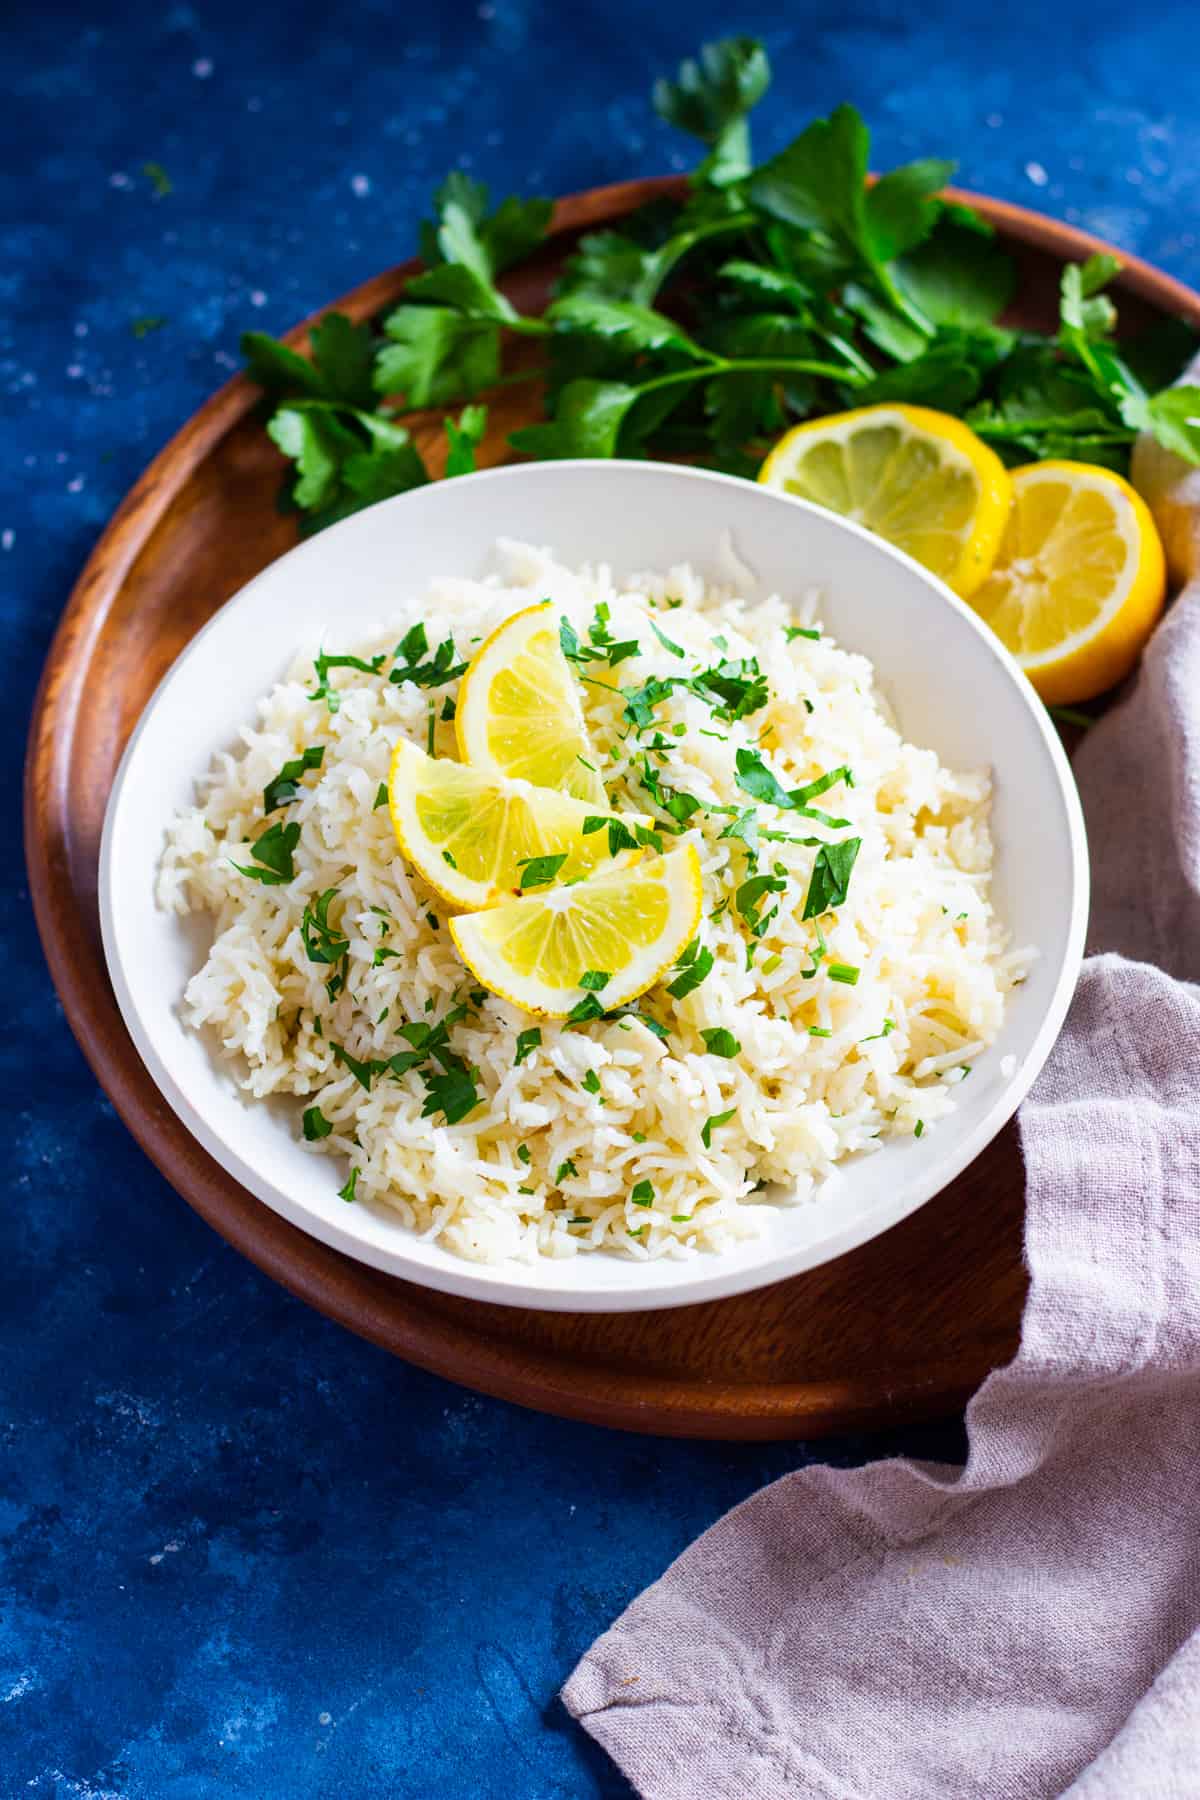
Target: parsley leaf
695, 965
585, 1010
465, 438
527, 1042
273, 853
710, 98
363, 1072
436, 671
322, 943
711, 1124
720, 1042
540, 871
285, 786
830, 880
316, 1125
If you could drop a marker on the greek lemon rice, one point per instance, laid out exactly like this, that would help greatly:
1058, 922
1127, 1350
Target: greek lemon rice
818, 887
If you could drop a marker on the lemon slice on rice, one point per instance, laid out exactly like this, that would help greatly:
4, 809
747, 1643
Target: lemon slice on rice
919, 478
519, 710
472, 834
628, 926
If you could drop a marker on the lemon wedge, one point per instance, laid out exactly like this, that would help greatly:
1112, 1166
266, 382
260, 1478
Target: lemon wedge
919, 478
1079, 580
519, 710
472, 834
627, 928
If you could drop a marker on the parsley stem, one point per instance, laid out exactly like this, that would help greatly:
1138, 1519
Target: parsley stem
902, 304
766, 365
501, 381
664, 260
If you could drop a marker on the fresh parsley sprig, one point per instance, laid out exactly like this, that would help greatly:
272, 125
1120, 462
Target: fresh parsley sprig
769, 292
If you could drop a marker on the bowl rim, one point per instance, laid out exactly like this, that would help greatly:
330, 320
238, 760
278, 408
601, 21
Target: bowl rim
717, 1275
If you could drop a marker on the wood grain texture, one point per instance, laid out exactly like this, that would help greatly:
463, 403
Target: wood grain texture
902, 1328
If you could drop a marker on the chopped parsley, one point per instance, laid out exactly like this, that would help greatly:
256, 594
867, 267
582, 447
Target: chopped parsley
640, 702
322, 941
323, 664
363, 1072
889, 1025
381, 796
761, 783
738, 688
666, 642
452, 1093
450, 1087
273, 853
527, 1043
711, 1123
347, 1192
564, 1169
539, 871
643, 1194
919, 1128
620, 837
448, 710
316, 1125
819, 1031
652, 1025
595, 980
720, 1042
286, 785
436, 671
792, 632
830, 882
591, 1082
749, 898
585, 1010
818, 954
523, 1153
695, 965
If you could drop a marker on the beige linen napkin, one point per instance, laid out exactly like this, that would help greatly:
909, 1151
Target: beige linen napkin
1030, 1625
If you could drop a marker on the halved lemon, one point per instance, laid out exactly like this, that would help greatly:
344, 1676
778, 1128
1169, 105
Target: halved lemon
470, 833
919, 478
629, 927
1079, 581
519, 711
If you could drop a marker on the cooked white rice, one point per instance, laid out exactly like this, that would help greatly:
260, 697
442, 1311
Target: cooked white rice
930, 996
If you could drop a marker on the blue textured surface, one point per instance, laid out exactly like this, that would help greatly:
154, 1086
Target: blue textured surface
245, 1554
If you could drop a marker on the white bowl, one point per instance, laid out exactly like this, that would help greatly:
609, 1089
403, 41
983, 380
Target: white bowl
953, 687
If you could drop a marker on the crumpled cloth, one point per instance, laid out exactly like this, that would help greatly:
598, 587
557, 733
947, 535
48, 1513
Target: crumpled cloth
1028, 1625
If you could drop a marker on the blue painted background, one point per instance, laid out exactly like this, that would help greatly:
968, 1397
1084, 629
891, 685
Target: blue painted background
245, 1554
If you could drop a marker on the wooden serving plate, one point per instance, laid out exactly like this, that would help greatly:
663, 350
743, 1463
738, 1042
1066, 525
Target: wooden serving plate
905, 1327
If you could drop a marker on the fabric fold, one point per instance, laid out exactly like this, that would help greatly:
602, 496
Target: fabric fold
1030, 1625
